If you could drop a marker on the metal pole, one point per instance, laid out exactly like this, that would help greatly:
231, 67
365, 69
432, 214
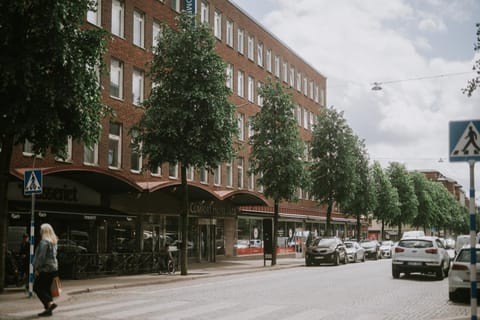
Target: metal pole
473, 241
32, 243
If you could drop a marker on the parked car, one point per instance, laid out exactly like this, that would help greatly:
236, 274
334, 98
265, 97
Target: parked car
386, 249
372, 248
326, 250
459, 276
462, 241
424, 255
70, 246
355, 252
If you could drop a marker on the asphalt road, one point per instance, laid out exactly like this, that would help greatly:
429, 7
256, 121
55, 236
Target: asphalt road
353, 291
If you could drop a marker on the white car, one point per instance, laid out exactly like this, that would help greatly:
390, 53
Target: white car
459, 277
424, 255
355, 252
386, 249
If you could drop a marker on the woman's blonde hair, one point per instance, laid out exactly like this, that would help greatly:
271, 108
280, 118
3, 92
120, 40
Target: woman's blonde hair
47, 233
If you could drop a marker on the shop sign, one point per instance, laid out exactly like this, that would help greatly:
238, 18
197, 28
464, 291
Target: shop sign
208, 209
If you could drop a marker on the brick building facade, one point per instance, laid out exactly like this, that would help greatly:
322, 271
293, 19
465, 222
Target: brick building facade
104, 201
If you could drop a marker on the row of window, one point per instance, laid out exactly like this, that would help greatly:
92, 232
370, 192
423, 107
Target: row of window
282, 71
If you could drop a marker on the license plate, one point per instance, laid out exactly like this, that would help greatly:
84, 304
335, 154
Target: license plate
319, 257
415, 263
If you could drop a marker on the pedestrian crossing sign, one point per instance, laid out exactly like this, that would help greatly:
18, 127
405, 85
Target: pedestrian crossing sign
32, 182
464, 140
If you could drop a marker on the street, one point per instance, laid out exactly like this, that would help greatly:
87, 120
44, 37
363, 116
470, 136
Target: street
353, 291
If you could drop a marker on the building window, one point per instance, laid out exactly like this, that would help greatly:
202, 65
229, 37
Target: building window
251, 179
250, 51
175, 5
137, 87
305, 86
277, 66
269, 60
229, 34
229, 81
310, 89
316, 94
240, 40
190, 173
217, 25
138, 29
259, 96
240, 84
28, 149
203, 175
90, 155
299, 115
322, 97
217, 175
251, 89
156, 171
115, 146
292, 76
260, 54
94, 16
68, 151
173, 170
117, 18
229, 174
241, 126
204, 12
312, 121
116, 78
259, 185
135, 157
285, 71
250, 127
156, 34
299, 81
305, 118
240, 173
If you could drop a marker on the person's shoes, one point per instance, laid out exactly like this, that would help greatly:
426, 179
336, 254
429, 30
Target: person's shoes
46, 313
52, 306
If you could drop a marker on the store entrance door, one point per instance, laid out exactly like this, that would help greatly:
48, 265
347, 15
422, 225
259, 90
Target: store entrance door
206, 240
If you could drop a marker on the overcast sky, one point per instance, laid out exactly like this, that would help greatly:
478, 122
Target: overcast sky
422, 52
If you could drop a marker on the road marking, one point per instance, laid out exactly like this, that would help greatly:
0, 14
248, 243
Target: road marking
255, 313
96, 309
160, 306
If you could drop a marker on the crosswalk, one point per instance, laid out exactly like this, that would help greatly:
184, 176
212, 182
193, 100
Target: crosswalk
146, 309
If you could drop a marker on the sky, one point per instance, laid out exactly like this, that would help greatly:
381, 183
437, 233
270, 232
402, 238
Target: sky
421, 53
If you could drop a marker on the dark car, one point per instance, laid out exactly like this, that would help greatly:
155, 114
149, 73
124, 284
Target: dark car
326, 250
372, 248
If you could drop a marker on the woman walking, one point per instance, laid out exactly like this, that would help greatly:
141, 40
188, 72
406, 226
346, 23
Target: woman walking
46, 268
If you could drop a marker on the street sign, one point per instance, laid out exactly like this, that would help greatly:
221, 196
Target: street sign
32, 182
464, 140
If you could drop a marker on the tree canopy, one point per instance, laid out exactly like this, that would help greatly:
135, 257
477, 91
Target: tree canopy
474, 83
49, 83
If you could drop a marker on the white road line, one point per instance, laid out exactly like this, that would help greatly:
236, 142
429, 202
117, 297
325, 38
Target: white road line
152, 307
193, 311
254, 313
96, 309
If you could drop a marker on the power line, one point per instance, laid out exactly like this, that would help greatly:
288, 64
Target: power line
378, 85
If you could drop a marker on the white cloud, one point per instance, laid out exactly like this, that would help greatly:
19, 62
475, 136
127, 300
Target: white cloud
355, 43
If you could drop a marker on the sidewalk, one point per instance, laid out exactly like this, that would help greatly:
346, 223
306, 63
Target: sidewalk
14, 299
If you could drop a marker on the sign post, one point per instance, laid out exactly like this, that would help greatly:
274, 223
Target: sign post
464, 146
32, 185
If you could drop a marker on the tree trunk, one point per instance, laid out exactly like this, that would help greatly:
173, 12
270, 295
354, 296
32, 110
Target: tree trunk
359, 227
5, 158
328, 231
275, 232
383, 230
184, 223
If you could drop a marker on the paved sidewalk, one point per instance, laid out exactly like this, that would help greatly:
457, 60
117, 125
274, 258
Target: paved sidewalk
14, 299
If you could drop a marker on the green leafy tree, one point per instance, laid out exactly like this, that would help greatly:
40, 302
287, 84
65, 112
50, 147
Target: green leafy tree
362, 200
49, 85
333, 153
428, 209
277, 149
387, 205
187, 117
402, 181
474, 83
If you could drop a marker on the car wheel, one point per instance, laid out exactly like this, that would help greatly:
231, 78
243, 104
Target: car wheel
447, 269
395, 273
345, 258
439, 273
453, 296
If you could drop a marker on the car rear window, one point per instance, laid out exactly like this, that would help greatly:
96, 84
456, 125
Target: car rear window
464, 255
415, 243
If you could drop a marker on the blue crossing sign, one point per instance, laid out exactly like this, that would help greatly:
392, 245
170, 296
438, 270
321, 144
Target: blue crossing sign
32, 182
464, 140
